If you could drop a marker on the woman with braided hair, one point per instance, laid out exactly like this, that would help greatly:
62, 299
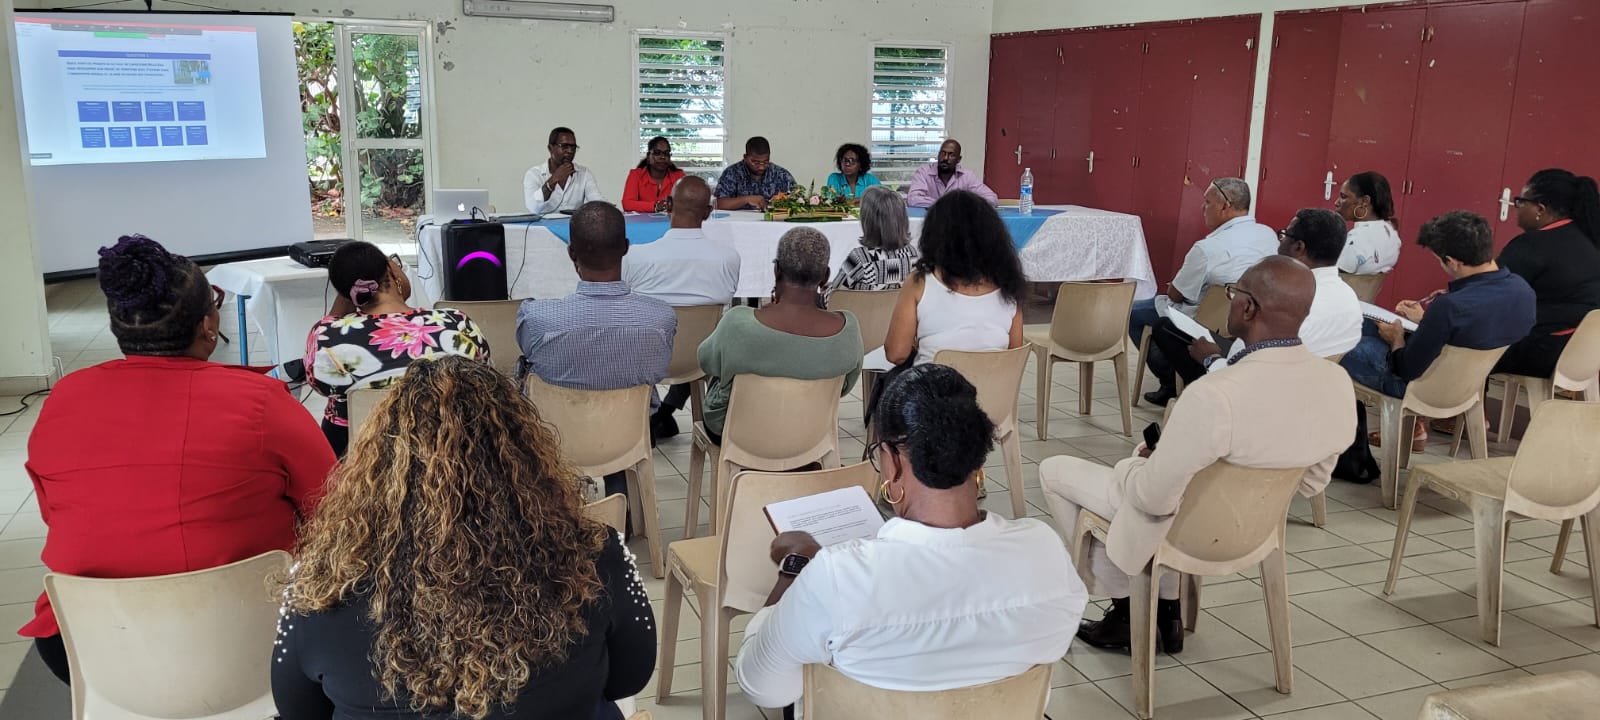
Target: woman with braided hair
165, 462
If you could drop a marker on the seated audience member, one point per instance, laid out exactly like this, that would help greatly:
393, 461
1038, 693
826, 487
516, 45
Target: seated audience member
1235, 243
649, 186
559, 185
966, 292
683, 268
1276, 405
854, 176
485, 594
1374, 243
1559, 214
371, 336
1315, 238
789, 337
751, 182
946, 175
165, 462
946, 595
886, 256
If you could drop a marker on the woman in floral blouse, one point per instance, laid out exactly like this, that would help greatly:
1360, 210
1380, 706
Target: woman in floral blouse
370, 336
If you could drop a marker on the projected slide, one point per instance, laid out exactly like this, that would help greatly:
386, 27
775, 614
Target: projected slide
100, 91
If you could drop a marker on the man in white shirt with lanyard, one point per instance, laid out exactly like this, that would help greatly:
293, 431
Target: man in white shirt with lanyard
559, 185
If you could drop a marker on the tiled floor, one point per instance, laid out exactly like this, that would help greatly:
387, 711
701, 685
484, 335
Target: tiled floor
1357, 653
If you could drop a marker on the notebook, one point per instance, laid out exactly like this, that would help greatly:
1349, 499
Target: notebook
1381, 315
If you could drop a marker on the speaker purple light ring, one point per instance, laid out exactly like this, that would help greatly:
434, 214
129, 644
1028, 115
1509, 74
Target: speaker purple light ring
476, 255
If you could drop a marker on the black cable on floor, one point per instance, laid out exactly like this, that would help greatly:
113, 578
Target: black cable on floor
24, 402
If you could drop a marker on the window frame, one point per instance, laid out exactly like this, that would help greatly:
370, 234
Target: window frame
872, 87
639, 137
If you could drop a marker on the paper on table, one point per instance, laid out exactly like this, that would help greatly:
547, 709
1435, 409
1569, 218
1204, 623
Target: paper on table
1191, 327
1382, 315
831, 517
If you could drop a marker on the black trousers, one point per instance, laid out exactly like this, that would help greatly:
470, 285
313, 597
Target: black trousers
54, 654
338, 438
676, 398
1534, 356
1174, 355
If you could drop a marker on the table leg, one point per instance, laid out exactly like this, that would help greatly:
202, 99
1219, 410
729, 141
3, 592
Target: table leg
244, 333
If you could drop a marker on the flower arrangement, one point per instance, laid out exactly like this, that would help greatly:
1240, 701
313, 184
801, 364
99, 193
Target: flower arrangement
808, 204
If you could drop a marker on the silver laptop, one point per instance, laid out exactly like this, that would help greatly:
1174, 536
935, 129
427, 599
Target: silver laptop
459, 204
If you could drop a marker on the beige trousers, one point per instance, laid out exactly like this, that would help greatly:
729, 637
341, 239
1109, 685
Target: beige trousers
1071, 484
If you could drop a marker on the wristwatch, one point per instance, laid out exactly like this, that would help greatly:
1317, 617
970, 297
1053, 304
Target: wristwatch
792, 564
1210, 360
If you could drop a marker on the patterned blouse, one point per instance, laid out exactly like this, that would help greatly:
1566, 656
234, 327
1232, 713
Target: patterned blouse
875, 269
359, 350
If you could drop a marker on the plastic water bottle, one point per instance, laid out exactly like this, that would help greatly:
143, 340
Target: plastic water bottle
1025, 202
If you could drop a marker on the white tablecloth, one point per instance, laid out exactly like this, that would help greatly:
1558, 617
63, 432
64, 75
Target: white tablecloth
1077, 244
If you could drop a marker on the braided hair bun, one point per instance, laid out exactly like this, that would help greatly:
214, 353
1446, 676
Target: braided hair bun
155, 298
932, 412
136, 272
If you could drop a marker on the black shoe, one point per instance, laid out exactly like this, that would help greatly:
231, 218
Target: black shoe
1169, 626
662, 426
1161, 396
1110, 632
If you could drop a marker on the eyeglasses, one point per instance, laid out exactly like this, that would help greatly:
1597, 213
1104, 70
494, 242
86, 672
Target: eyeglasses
396, 258
1233, 290
872, 453
1222, 193
1519, 201
1284, 234
849, 160
569, 147
656, 152
219, 296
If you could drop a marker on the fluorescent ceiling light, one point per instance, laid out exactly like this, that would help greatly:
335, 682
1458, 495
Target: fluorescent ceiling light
529, 10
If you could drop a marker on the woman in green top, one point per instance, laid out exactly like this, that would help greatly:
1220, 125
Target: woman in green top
790, 337
854, 176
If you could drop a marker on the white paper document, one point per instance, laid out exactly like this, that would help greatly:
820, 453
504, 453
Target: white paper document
831, 517
1382, 315
1190, 326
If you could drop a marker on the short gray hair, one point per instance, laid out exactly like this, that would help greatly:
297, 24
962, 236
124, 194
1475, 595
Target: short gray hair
883, 219
803, 257
1233, 190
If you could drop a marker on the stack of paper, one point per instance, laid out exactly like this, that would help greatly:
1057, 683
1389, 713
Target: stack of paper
832, 517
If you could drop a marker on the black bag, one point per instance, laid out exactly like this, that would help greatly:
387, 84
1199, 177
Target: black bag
1356, 463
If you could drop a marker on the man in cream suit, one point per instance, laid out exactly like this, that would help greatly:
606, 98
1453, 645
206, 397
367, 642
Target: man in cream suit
1275, 406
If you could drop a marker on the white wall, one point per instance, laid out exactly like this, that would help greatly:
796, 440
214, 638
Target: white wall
798, 74
25, 346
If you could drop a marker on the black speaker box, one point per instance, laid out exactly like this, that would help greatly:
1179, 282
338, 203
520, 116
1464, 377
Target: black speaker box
474, 264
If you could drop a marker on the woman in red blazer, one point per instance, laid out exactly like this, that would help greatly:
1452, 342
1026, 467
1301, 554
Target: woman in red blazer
165, 462
649, 187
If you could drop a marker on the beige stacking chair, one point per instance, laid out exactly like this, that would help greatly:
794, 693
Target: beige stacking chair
1087, 327
1557, 696
607, 431
1212, 314
829, 695
498, 321
360, 404
611, 510
1367, 287
773, 424
997, 374
191, 645
731, 573
695, 323
1451, 387
873, 310
1555, 475
1578, 370
1231, 518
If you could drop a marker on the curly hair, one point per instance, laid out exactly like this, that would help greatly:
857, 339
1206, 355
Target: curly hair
863, 157
932, 412
965, 242
456, 519
155, 299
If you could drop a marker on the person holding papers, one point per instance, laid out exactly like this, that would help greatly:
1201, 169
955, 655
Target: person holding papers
944, 596
649, 186
559, 185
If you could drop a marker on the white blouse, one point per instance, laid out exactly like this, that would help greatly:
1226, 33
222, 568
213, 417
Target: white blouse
1373, 247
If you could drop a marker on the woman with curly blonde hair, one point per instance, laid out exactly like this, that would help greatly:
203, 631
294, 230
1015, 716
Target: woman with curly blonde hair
450, 571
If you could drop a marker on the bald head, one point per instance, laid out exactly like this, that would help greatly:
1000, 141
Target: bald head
949, 157
1275, 299
691, 202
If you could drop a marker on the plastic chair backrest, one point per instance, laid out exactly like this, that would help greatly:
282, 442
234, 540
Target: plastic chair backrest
997, 374
695, 323
1231, 515
498, 321
1212, 314
611, 510
747, 567
774, 419
1453, 382
360, 404
829, 695
872, 308
1558, 463
1367, 287
600, 430
192, 645
1579, 364
1091, 318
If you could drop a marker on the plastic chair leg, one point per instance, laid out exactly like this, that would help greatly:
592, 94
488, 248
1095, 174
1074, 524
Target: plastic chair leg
1319, 509
1275, 584
1489, 532
1508, 409
697, 471
1120, 368
1562, 538
643, 479
670, 610
1401, 533
1142, 641
1043, 367
1591, 548
1011, 446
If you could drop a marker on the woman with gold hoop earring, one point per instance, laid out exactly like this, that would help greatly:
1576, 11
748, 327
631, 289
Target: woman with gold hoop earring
946, 595
1374, 242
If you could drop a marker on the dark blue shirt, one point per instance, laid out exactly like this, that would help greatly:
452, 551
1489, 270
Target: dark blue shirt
736, 181
1480, 312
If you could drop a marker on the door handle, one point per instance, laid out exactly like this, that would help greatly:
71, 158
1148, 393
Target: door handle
1327, 187
1019, 154
1091, 162
1505, 204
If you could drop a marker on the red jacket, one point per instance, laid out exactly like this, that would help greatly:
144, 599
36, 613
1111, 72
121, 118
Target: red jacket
639, 194
152, 466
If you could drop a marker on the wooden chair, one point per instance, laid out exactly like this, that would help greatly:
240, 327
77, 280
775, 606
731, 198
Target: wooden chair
731, 573
360, 403
829, 695
1451, 387
873, 310
1367, 287
498, 321
1085, 328
1555, 475
773, 424
1231, 518
997, 374
1212, 314
1577, 370
607, 431
695, 323
191, 645
1556, 696
611, 510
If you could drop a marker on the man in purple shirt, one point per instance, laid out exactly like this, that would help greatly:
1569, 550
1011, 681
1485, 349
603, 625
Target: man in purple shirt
932, 181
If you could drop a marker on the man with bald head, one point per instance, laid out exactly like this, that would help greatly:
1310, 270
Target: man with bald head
683, 268
932, 181
1276, 405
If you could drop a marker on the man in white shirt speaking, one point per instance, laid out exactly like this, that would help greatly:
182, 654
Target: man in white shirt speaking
559, 185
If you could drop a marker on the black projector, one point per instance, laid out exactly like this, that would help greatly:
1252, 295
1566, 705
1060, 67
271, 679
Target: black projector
315, 253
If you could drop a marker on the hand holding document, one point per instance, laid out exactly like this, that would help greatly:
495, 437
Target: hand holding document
1381, 315
832, 517
1191, 327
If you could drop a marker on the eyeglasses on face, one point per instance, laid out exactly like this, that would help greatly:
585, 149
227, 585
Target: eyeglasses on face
872, 452
1226, 199
569, 147
1284, 234
849, 160
1520, 201
661, 152
219, 296
1233, 290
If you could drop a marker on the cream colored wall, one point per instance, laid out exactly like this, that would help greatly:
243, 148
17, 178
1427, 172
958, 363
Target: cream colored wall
25, 347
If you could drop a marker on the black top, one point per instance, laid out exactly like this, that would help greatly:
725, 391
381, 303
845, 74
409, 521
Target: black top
1480, 312
322, 670
1563, 266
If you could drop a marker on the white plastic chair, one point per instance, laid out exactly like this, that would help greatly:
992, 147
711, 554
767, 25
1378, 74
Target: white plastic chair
1367, 287
1577, 370
1212, 314
695, 324
1087, 326
359, 405
498, 321
997, 375
829, 695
